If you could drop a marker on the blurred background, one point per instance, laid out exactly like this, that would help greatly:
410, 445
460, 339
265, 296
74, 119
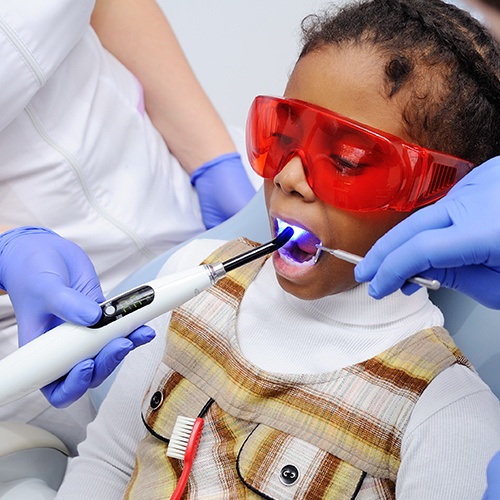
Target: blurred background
241, 48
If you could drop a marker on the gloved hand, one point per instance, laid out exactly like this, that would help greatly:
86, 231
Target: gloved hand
223, 188
456, 240
50, 280
493, 476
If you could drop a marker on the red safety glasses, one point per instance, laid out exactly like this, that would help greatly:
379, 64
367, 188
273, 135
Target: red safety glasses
347, 164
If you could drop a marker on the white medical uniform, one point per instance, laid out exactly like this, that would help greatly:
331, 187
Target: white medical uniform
79, 155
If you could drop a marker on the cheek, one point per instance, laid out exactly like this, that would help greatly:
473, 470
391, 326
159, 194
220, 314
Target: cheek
360, 231
356, 233
269, 190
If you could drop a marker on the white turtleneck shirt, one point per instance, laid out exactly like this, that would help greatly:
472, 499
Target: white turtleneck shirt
281, 333
453, 432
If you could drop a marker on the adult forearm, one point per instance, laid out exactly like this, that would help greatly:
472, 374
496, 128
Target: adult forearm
140, 36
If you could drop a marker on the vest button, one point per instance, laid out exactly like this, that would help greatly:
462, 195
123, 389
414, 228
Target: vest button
156, 400
289, 474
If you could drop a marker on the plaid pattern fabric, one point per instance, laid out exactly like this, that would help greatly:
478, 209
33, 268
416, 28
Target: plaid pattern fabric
340, 431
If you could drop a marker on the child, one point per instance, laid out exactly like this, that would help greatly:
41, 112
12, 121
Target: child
308, 387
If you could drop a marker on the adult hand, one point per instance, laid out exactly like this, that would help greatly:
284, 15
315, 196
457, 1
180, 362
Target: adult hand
223, 188
493, 476
50, 280
456, 240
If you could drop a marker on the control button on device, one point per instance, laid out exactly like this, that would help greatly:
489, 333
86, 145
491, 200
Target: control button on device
110, 310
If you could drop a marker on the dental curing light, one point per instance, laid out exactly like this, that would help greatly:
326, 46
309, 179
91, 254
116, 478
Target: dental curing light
53, 354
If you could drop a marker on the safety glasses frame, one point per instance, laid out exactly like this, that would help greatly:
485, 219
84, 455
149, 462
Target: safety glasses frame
346, 163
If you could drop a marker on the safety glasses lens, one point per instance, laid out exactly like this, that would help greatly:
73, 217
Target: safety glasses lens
345, 166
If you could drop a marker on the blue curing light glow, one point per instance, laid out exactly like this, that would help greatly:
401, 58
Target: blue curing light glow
297, 231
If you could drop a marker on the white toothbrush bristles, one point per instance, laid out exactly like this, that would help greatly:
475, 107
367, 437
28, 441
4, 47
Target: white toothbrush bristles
183, 445
180, 437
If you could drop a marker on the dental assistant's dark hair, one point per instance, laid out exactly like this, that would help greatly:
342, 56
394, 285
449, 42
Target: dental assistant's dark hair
441, 63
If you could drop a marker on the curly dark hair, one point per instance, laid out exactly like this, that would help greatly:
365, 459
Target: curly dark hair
445, 60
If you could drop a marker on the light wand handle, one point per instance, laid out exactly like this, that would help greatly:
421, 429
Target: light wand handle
53, 354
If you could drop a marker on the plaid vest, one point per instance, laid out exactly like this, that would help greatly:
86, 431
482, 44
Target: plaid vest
335, 435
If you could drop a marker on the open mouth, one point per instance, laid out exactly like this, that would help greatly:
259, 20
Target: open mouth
302, 247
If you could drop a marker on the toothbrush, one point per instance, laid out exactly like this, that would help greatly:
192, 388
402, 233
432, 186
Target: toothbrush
354, 259
53, 354
183, 445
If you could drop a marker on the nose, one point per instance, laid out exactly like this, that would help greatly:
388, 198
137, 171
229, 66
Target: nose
291, 179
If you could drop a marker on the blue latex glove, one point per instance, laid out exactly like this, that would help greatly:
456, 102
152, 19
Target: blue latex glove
493, 475
456, 240
223, 188
50, 280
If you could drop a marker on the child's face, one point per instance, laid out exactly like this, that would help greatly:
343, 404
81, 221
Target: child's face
348, 81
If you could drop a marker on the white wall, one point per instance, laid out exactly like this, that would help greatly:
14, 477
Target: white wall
241, 48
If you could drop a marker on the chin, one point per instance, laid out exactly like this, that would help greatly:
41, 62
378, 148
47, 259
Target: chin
314, 291
304, 292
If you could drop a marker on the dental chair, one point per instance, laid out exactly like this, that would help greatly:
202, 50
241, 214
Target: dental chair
475, 329
32, 462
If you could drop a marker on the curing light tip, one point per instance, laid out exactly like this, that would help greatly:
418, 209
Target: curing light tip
258, 252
